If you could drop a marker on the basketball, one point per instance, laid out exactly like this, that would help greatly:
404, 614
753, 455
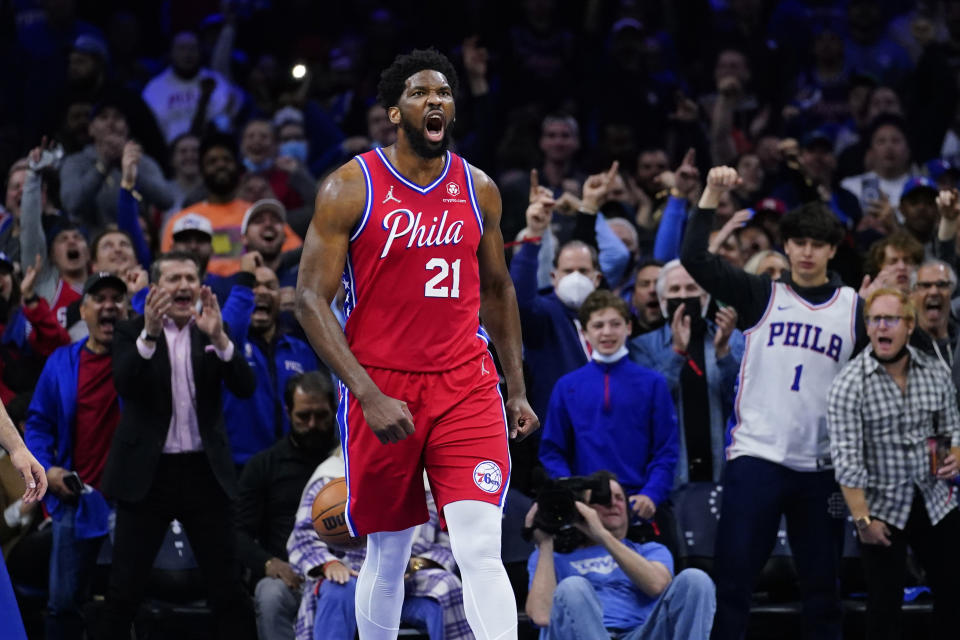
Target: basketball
329, 519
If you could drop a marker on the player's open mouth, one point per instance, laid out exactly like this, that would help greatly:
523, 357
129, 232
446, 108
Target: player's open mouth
73, 254
434, 124
268, 235
884, 341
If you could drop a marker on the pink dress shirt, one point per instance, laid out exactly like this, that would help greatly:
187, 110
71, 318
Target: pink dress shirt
184, 433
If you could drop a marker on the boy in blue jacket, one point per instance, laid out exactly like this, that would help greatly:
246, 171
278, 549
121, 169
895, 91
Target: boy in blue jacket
613, 414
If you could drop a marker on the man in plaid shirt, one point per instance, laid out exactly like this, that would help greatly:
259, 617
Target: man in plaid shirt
434, 596
885, 407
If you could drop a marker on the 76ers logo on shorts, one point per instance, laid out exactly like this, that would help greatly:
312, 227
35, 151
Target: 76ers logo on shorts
487, 476
453, 188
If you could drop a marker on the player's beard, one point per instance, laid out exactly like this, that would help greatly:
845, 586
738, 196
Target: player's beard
419, 143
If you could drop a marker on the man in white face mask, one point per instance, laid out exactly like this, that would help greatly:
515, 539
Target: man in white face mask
554, 342
576, 273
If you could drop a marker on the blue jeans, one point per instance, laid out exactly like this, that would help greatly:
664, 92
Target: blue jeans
336, 617
684, 611
276, 607
72, 561
755, 493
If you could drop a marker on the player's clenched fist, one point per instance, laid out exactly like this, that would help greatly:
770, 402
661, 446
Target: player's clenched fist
523, 421
389, 418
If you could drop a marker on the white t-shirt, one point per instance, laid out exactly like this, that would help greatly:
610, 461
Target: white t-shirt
891, 188
173, 101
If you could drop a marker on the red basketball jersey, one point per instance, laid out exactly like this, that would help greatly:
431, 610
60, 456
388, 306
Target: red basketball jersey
411, 277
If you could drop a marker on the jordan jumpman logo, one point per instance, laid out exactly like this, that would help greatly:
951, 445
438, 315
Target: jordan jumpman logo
390, 196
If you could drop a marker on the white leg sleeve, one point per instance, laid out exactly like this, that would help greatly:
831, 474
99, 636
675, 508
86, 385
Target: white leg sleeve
487, 595
380, 584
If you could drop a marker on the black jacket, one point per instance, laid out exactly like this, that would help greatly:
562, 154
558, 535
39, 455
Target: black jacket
147, 407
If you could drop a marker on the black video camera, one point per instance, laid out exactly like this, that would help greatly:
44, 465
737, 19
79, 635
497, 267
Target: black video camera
557, 509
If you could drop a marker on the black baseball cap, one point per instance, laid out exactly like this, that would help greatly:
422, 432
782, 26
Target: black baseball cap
100, 279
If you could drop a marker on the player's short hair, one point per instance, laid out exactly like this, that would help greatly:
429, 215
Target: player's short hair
172, 256
899, 240
603, 299
812, 220
312, 382
909, 310
394, 77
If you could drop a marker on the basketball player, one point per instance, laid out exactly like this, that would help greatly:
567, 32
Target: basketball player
415, 231
800, 331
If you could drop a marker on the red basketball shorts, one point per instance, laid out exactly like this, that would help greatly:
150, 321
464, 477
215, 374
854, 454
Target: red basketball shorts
460, 437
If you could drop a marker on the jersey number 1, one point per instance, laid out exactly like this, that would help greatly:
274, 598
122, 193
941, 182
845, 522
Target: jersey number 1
796, 378
443, 268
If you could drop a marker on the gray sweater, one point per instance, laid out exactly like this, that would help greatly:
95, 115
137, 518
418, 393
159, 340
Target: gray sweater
90, 197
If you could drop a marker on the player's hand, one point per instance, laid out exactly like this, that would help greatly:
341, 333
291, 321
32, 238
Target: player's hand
277, 568
719, 181
875, 533
337, 572
389, 418
886, 278
521, 418
643, 506
32, 473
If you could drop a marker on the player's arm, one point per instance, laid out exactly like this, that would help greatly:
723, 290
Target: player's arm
498, 308
339, 206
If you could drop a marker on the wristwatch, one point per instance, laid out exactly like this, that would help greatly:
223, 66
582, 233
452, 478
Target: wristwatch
862, 522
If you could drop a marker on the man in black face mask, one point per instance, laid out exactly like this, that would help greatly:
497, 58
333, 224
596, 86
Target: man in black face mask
700, 358
270, 489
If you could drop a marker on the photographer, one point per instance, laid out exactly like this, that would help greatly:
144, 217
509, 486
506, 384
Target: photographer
894, 431
612, 586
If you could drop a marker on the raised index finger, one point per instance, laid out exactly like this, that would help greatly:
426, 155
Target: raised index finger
612, 172
690, 157
534, 184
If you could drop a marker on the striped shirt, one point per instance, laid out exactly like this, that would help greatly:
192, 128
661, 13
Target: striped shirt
878, 434
308, 554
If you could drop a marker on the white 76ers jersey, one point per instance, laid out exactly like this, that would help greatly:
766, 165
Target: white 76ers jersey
791, 357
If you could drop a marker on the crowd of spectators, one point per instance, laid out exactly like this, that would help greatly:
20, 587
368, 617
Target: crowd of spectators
165, 156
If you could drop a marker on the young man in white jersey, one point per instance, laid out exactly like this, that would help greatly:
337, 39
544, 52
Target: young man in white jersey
800, 331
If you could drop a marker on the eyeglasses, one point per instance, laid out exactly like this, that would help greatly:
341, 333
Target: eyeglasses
887, 322
939, 284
